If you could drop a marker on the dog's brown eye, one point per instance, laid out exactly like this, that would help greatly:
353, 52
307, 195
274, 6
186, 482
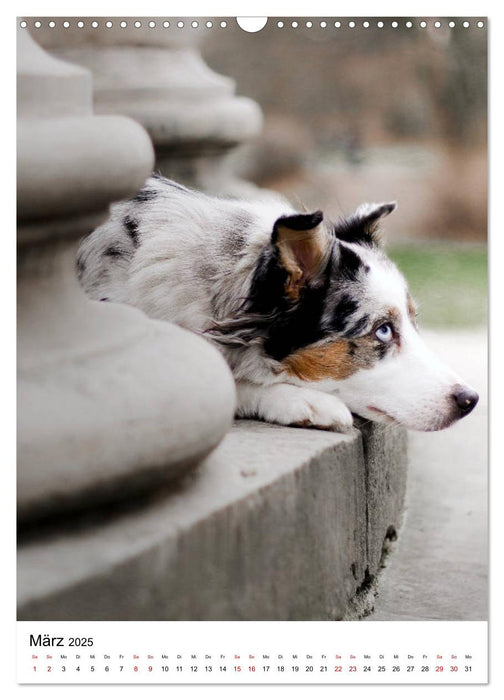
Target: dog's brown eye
385, 333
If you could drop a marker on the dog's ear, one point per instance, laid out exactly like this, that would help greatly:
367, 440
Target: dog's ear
364, 226
302, 242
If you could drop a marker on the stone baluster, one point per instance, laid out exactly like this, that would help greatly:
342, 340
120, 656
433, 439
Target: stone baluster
157, 76
110, 403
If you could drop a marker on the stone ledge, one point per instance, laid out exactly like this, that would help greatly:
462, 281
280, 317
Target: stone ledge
276, 524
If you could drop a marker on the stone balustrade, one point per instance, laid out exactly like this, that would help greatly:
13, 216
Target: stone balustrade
109, 402
157, 76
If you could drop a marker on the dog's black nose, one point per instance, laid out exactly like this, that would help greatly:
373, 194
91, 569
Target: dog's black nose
466, 399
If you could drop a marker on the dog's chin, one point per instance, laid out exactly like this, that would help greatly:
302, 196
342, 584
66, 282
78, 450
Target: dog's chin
439, 423
436, 423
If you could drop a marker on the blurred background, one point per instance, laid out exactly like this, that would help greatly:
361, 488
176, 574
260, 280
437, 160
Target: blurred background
354, 115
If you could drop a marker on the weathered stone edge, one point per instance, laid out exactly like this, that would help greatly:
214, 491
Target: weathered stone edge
299, 547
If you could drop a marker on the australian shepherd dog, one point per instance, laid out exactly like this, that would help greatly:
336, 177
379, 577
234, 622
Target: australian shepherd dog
315, 322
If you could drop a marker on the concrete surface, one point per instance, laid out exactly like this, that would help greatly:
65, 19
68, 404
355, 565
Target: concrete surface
276, 524
438, 569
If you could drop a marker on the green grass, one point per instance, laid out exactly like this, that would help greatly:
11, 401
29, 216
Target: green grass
448, 282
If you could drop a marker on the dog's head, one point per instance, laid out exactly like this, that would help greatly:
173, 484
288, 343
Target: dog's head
339, 314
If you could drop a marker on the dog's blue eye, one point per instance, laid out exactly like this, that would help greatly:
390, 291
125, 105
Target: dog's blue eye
384, 333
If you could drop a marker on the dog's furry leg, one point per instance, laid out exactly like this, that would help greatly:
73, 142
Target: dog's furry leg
292, 405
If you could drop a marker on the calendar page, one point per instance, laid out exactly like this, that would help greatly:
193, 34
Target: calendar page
252, 350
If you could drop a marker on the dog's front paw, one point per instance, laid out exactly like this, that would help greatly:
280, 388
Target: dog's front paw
309, 408
291, 405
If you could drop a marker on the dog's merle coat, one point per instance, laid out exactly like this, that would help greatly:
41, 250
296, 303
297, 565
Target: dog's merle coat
301, 307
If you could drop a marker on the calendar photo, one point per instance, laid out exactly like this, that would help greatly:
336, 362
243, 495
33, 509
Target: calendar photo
252, 349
